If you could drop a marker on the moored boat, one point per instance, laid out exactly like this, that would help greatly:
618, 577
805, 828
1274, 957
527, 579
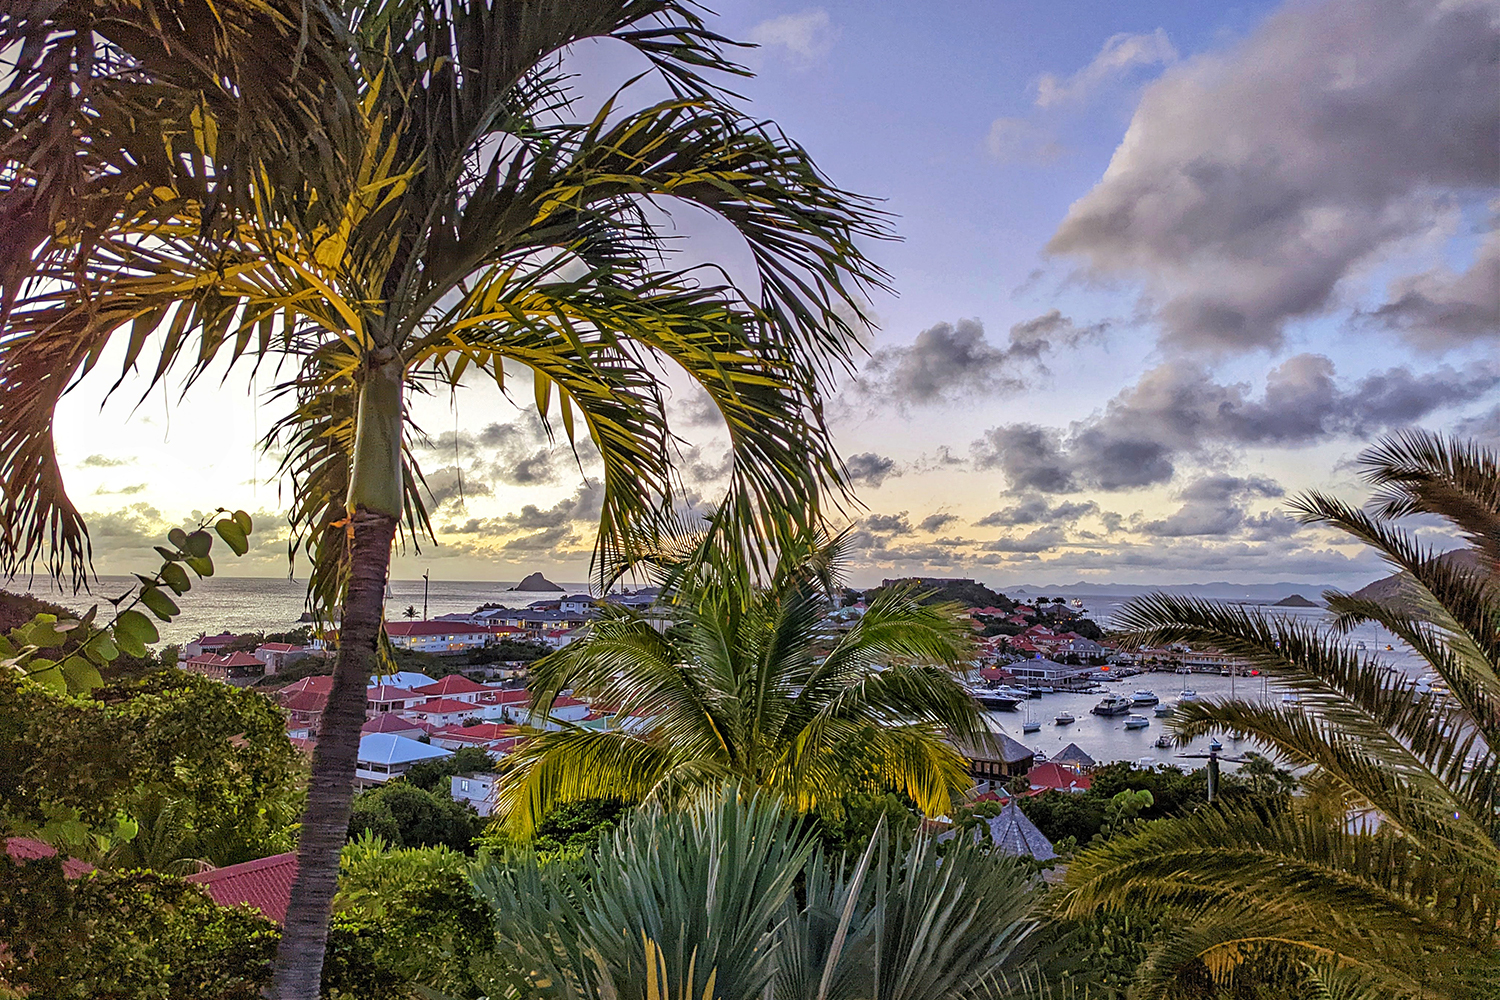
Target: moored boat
1163, 742
1214, 746
1112, 704
1188, 694
1137, 722
1143, 697
1030, 726
1065, 719
1162, 711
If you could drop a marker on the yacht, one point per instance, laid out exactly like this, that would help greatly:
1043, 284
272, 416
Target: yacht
1137, 722
1002, 697
1144, 697
1188, 694
1112, 704
1039, 757
1163, 742
1162, 711
1030, 726
1214, 746
1065, 719
1289, 699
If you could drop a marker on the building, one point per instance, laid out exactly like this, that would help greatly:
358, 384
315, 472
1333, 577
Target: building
1054, 777
277, 656
443, 712
1011, 833
576, 604
383, 756
495, 739
387, 698
1073, 756
409, 679
207, 644
231, 668
305, 710
478, 790
455, 686
398, 725
264, 884
999, 761
438, 637
1047, 672
318, 684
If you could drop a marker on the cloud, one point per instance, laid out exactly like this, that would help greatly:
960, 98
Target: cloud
1020, 140
579, 510
934, 523
806, 37
1443, 308
1484, 428
1251, 183
1178, 408
1120, 54
1040, 540
122, 491
1037, 510
450, 483
518, 453
1212, 505
870, 469
950, 361
104, 462
886, 523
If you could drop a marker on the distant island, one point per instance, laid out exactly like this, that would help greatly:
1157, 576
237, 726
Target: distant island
537, 582
1396, 587
1294, 601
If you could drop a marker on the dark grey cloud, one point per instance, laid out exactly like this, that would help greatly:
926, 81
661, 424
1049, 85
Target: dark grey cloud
1037, 510
869, 469
950, 361
452, 484
580, 510
1441, 307
518, 453
1251, 183
1178, 408
934, 523
885, 523
1484, 427
1039, 540
1212, 505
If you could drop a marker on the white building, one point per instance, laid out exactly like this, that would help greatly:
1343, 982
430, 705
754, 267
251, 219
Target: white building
383, 756
438, 637
442, 712
384, 698
478, 790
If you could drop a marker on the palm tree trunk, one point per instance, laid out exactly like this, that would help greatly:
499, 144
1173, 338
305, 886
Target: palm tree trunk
374, 480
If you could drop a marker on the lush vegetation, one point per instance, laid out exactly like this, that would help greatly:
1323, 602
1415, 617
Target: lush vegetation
1384, 878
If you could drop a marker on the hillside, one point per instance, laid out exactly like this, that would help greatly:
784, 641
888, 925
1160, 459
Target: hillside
1295, 601
1390, 587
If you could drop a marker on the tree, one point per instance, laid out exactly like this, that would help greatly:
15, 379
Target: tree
433, 774
387, 195
761, 685
410, 612
731, 899
407, 815
1408, 906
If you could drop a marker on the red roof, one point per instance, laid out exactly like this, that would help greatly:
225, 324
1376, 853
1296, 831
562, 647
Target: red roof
265, 884
27, 849
441, 706
306, 701
385, 692
483, 732
390, 722
1054, 776
321, 683
222, 639
450, 685
410, 629
563, 701
277, 647
517, 696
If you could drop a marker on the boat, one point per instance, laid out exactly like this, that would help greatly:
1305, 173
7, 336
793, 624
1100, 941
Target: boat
1002, 697
1146, 762
1112, 704
1045, 689
1224, 672
1162, 711
1065, 719
1039, 757
1163, 742
1030, 726
1137, 722
1289, 699
1076, 603
1144, 697
1214, 746
1188, 694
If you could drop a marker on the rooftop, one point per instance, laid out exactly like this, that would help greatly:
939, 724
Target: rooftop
442, 706
388, 748
388, 692
265, 884
451, 685
1072, 755
419, 629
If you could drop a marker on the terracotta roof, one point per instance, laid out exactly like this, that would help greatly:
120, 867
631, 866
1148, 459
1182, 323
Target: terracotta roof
391, 722
563, 701
265, 884
27, 849
483, 732
442, 706
277, 647
1053, 775
385, 692
452, 684
515, 696
239, 658
222, 639
306, 701
321, 683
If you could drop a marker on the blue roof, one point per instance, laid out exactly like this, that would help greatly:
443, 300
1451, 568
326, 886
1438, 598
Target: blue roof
388, 748
404, 679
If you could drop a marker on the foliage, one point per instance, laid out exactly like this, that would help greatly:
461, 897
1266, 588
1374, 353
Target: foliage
1407, 907
407, 815
141, 935
845, 827
964, 593
433, 775
215, 758
67, 654
508, 651
761, 685
425, 921
709, 903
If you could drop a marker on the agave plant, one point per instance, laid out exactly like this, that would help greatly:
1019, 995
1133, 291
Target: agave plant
374, 197
704, 904
1396, 891
761, 685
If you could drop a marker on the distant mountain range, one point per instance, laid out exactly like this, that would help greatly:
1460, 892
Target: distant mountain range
1259, 592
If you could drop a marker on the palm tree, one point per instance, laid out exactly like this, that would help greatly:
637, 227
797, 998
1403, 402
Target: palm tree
761, 685
382, 196
410, 612
1405, 898
730, 900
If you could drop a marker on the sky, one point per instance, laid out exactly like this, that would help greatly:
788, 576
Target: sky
1160, 268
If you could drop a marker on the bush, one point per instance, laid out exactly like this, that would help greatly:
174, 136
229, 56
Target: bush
408, 816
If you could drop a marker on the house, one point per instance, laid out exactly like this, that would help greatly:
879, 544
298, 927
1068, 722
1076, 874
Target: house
455, 686
232, 668
557, 638
1073, 756
478, 790
264, 884
496, 739
1054, 777
1002, 759
398, 725
409, 679
29, 849
1011, 833
383, 756
576, 604
207, 644
305, 709
1035, 672
386, 698
439, 637
277, 656
318, 684
565, 709
443, 712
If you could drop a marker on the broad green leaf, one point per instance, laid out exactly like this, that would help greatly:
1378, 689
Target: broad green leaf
178, 537
233, 535
81, 674
133, 631
198, 544
103, 646
168, 554
176, 577
48, 676
243, 520
203, 566
160, 604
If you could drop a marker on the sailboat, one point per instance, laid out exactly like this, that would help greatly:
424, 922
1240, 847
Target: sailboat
1030, 724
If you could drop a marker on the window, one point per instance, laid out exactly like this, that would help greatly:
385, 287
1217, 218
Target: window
463, 786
